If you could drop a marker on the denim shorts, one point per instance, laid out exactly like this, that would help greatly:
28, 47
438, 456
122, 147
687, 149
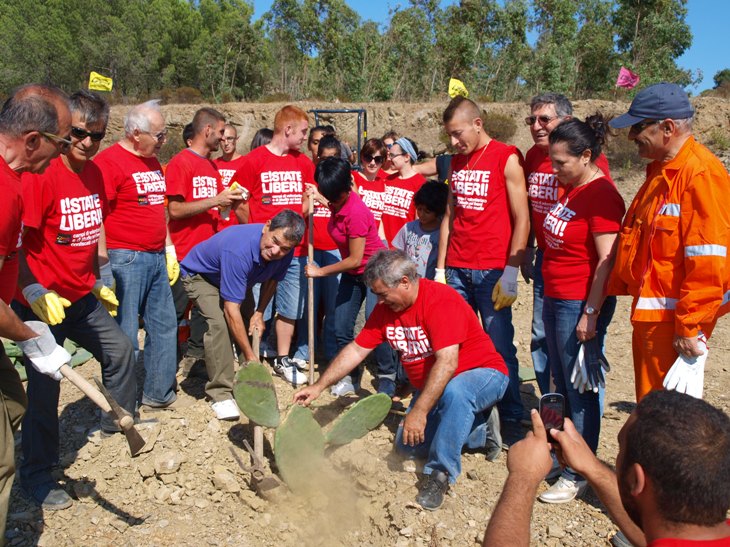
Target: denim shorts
291, 290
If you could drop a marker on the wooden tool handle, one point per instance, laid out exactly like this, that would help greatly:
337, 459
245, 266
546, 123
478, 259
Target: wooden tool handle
310, 293
256, 345
90, 391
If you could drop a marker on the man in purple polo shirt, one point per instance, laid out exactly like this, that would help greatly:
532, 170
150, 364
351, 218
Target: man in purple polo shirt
217, 272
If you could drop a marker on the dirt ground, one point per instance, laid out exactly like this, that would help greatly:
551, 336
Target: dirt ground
187, 489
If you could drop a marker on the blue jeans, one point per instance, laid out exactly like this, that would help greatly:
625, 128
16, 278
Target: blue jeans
89, 325
325, 290
350, 295
476, 287
143, 289
561, 318
538, 344
457, 420
290, 291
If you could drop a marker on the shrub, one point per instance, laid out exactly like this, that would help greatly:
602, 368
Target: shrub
181, 95
499, 126
621, 152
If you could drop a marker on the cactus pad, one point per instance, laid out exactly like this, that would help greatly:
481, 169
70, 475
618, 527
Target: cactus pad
299, 450
254, 392
355, 422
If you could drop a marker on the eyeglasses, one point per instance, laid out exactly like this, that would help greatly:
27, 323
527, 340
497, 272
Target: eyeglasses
377, 159
640, 126
64, 142
159, 137
230, 139
81, 134
544, 120
396, 155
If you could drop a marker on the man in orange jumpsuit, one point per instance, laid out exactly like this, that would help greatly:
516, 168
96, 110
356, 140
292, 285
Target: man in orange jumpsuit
672, 253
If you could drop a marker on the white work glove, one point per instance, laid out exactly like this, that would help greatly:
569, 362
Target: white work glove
440, 276
47, 305
579, 377
527, 268
687, 374
505, 291
46, 356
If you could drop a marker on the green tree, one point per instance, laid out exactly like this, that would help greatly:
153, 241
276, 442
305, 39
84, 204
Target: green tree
722, 78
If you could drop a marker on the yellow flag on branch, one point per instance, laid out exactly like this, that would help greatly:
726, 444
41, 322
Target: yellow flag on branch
99, 82
456, 88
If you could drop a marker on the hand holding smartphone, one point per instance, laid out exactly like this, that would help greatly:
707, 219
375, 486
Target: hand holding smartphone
552, 412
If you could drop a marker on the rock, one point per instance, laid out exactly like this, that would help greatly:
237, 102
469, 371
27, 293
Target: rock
146, 468
164, 523
162, 493
555, 531
406, 532
409, 466
168, 462
202, 504
226, 481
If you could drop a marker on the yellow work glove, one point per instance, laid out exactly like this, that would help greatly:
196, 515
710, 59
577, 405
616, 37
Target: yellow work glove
173, 267
106, 296
505, 291
440, 275
47, 305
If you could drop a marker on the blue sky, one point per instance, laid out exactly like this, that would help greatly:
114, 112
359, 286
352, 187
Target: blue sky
707, 19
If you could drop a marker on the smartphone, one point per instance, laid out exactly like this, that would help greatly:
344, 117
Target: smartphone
552, 412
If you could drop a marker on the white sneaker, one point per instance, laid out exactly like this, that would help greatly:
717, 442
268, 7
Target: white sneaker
301, 364
344, 387
286, 368
563, 491
226, 410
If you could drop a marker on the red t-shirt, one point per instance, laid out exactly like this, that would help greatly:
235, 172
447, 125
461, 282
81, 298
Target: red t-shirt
275, 183
63, 212
193, 177
135, 189
11, 211
371, 192
543, 187
398, 206
674, 542
439, 318
352, 221
227, 169
322, 239
570, 255
482, 224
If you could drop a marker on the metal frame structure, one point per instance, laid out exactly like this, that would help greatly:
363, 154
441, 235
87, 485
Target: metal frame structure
362, 124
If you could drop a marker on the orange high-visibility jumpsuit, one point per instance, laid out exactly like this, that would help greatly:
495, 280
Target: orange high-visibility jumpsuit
672, 258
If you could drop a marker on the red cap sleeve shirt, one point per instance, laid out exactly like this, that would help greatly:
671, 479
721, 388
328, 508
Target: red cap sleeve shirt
543, 187
275, 183
398, 206
135, 188
352, 221
570, 256
11, 210
371, 192
439, 318
63, 212
227, 169
482, 225
192, 177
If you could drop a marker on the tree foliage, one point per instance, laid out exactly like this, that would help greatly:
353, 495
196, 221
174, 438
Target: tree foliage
502, 49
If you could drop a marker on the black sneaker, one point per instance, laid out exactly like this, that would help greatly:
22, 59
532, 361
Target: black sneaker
431, 494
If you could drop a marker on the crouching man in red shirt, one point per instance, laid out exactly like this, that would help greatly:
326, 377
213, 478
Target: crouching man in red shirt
457, 373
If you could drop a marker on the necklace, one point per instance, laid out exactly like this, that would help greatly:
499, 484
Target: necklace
484, 149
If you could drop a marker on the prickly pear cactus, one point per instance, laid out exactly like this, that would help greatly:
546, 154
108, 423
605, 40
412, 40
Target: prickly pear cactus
355, 422
255, 394
299, 450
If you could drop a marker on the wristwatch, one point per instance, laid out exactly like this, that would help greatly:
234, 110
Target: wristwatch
589, 310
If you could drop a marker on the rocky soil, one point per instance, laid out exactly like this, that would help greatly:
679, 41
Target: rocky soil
188, 489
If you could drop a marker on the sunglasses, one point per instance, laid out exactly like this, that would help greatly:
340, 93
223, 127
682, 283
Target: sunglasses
397, 155
640, 126
64, 142
388, 146
368, 158
81, 134
544, 120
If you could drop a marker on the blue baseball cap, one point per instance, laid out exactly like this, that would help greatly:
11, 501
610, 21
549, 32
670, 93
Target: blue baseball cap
656, 102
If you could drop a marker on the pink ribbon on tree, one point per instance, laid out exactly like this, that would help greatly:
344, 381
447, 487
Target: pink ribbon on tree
627, 79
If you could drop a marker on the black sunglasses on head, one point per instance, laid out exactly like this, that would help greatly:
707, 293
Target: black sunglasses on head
81, 134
